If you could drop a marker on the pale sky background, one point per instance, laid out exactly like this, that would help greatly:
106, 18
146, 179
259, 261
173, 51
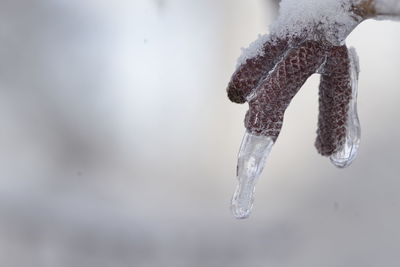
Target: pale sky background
118, 143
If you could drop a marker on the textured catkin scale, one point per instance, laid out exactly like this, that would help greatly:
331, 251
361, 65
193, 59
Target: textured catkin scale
249, 74
335, 93
274, 93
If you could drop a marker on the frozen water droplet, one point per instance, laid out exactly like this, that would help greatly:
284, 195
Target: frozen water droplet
253, 153
344, 157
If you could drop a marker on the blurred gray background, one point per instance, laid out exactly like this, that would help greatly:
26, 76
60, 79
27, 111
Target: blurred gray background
118, 144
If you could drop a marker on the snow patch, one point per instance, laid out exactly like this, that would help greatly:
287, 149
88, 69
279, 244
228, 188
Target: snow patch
254, 49
331, 20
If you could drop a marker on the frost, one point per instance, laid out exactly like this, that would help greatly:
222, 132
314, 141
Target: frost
254, 49
326, 20
330, 19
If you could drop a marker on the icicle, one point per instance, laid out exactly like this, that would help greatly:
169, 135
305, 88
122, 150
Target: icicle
348, 153
253, 153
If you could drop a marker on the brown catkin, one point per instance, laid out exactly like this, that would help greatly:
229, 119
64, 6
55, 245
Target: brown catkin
268, 82
334, 98
267, 107
249, 74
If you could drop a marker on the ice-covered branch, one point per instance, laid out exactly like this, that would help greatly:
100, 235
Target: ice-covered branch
307, 37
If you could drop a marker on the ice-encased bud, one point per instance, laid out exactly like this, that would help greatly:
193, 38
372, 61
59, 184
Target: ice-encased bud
346, 155
253, 153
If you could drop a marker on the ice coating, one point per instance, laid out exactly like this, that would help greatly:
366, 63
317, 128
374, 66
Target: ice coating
253, 153
273, 95
348, 152
338, 134
249, 74
335, 93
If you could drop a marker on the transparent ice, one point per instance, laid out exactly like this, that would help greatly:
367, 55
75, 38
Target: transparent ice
344, 157
253, 153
